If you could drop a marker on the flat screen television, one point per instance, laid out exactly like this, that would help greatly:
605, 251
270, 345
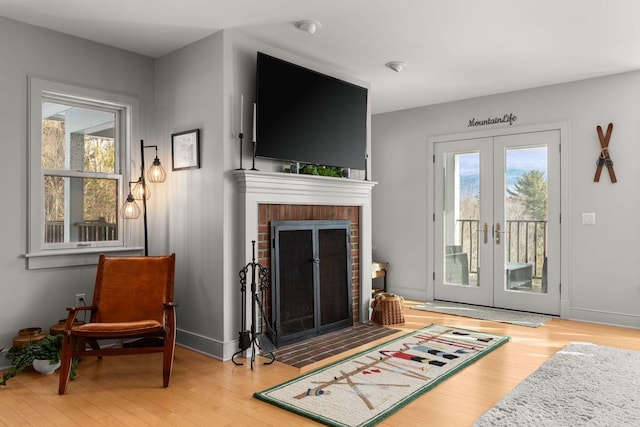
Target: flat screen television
309, 117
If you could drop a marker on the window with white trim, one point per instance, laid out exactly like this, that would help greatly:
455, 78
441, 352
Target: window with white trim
79, 142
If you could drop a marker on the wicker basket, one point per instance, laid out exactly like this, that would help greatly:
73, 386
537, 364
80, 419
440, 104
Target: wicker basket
387, 309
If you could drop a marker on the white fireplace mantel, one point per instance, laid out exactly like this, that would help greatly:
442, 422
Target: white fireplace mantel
256, 188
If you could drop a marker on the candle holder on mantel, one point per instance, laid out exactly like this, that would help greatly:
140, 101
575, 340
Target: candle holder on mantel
253, 168
240, 135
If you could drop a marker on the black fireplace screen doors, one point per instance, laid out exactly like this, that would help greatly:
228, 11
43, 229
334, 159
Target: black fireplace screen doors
311, 278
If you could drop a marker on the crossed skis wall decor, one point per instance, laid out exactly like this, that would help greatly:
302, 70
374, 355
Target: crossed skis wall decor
605, 159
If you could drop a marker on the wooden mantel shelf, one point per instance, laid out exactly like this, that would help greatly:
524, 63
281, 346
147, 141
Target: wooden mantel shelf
307, 186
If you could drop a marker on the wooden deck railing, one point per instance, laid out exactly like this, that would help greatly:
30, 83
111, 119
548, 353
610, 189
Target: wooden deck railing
89, 231
525, 240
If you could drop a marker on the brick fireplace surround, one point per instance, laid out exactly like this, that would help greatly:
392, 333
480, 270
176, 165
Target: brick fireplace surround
281, 212
266, 196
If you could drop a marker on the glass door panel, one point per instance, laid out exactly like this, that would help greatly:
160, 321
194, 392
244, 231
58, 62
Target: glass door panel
461, 221
527, 221
525, 232
461, 218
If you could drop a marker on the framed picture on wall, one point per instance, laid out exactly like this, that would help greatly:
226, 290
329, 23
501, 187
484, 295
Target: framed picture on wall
185, 150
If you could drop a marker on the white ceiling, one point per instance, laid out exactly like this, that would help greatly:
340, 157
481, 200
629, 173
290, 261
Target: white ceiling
455, 49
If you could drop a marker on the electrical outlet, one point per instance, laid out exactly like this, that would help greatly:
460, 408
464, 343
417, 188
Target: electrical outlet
81, 300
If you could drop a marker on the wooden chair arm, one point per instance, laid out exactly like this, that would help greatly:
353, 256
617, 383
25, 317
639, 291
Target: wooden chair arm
73, 314
84, 307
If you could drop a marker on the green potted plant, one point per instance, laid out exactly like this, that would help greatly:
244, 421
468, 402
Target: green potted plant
47, 351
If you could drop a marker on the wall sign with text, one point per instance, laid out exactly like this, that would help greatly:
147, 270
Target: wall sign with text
507, 118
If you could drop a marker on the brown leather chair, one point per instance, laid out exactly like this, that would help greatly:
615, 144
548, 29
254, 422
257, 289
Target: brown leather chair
132, 299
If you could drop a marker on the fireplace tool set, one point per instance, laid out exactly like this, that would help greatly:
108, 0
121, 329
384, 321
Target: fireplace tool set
252, 339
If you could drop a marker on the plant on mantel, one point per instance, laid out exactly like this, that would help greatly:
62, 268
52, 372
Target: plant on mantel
309, 169
49, 348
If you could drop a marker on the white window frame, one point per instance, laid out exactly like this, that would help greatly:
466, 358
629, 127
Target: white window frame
42, 255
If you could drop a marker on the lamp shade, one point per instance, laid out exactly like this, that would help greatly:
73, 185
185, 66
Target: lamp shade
156, 173
141, 190
130, 209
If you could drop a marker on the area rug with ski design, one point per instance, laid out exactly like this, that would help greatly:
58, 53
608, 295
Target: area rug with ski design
367, 387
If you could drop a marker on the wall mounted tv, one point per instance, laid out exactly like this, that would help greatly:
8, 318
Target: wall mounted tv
305, 116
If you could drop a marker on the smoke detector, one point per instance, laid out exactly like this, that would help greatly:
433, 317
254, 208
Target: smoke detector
396, 66
308, 26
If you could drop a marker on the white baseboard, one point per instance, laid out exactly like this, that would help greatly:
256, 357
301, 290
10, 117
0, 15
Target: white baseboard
409, 293
206, 345
604, 317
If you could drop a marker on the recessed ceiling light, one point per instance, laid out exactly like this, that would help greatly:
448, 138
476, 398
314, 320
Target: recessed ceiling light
396, 66
308, 26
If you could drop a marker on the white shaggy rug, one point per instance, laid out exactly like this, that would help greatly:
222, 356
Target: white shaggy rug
581, 385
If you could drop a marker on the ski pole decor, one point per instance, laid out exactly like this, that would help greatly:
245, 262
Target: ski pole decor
605, 159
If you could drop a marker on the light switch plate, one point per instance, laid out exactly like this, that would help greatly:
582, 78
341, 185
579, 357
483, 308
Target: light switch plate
588, 218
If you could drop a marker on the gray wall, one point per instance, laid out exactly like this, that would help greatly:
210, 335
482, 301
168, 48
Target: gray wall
189, 95
39, 297
603, 285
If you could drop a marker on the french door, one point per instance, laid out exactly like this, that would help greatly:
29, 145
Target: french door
497, 221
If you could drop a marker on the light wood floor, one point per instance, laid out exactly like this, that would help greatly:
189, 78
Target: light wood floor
127, 391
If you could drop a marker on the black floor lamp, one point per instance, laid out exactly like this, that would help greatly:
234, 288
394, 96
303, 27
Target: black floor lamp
140, 191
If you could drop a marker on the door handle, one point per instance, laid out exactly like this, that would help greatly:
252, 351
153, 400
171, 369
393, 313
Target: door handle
498, 233
486, 231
